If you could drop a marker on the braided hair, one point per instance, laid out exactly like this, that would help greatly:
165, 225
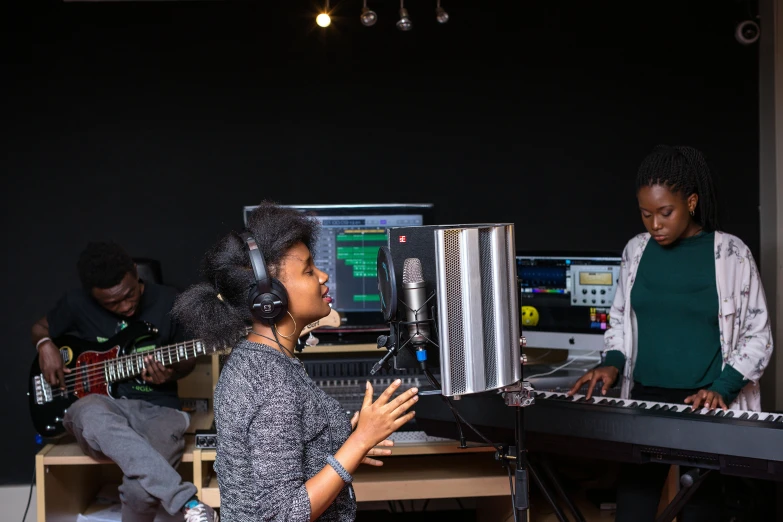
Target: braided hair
683, 170
217, 309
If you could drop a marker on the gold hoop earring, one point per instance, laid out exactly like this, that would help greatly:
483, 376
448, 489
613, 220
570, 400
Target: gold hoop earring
292, 333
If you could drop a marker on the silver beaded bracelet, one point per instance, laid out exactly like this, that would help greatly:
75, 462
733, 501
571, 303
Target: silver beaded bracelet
347, 478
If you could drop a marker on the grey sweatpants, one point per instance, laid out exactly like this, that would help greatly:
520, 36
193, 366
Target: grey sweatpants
146, 441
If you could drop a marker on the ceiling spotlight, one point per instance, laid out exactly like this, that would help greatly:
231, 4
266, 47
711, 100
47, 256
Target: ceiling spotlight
323, 19
368, 17
404, 23
441, 15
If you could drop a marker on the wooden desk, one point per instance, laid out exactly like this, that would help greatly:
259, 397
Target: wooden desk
414, 471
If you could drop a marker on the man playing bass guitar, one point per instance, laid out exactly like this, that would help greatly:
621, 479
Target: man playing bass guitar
142, 430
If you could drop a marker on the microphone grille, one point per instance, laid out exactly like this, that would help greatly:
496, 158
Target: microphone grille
411, 271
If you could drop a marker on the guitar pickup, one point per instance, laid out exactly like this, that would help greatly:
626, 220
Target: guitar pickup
43, 391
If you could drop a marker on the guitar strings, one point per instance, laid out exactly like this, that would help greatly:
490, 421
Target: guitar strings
168, 348
97, 374
125, 358
89, 371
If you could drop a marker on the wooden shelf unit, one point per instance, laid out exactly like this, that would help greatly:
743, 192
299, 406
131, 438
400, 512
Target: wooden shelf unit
67, 480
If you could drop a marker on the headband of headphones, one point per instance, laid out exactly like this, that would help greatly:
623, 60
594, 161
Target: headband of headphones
258, 264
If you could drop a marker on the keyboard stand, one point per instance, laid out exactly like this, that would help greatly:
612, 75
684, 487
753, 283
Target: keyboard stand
689, 483
550, 475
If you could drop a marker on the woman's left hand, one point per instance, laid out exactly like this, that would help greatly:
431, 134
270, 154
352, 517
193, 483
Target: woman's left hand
707, 399
376, 451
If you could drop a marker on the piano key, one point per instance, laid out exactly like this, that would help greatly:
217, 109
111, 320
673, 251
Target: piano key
610, 402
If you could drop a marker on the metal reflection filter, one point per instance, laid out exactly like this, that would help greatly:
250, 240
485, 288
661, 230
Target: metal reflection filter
477, 308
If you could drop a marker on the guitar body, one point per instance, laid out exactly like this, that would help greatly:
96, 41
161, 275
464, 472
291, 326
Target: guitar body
97, 368
86, 360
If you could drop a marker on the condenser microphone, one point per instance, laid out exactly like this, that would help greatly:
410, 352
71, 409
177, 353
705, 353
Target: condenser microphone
415, 298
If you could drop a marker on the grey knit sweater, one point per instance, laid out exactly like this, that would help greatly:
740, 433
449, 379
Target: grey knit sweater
273, 427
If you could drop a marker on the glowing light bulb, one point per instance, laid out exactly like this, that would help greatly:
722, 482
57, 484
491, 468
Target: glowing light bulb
323, 19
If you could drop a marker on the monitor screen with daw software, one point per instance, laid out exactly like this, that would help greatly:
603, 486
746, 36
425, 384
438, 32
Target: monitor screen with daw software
565, 299
347, 250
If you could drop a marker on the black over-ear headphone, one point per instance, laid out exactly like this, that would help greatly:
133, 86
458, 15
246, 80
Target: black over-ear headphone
267, 299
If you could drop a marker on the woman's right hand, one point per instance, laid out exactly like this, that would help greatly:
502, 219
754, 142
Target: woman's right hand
379, 419
605, 374
51, 363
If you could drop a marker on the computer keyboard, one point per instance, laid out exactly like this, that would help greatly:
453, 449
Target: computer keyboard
414, 437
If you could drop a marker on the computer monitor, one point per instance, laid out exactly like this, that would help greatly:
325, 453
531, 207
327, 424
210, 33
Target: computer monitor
347, 250
565, 299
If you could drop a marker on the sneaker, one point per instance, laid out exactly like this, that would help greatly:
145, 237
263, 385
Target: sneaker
196, 511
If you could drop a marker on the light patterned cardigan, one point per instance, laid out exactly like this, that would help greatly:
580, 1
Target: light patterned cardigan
745, 333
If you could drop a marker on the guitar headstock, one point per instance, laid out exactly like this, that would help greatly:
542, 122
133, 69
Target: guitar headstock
333, 319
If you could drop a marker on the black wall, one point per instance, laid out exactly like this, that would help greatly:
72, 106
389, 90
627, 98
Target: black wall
154, 123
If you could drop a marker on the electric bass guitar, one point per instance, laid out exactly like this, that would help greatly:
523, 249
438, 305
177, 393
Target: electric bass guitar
98, 368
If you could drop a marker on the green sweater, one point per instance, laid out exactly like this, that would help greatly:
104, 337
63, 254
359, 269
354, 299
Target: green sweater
675, 299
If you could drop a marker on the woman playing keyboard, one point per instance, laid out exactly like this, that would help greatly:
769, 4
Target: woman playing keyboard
689, 320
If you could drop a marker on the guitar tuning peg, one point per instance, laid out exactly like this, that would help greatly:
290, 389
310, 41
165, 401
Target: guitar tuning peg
312, 340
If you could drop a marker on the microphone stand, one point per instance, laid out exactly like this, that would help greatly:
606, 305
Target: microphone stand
519, 396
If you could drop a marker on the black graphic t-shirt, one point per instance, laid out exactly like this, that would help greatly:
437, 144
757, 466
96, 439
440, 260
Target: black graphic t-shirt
77, 313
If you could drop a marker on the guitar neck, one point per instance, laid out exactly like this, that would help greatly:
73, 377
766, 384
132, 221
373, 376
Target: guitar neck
127, 366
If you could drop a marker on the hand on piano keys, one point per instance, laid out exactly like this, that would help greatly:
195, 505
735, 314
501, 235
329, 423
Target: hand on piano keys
710, 399
605, 374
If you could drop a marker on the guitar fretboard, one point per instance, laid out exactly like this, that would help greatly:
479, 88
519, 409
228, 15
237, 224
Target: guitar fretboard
133, 365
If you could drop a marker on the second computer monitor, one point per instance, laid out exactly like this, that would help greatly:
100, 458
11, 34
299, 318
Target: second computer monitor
565, 299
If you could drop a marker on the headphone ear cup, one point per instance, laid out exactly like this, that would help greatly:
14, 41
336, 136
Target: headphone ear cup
268, 307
